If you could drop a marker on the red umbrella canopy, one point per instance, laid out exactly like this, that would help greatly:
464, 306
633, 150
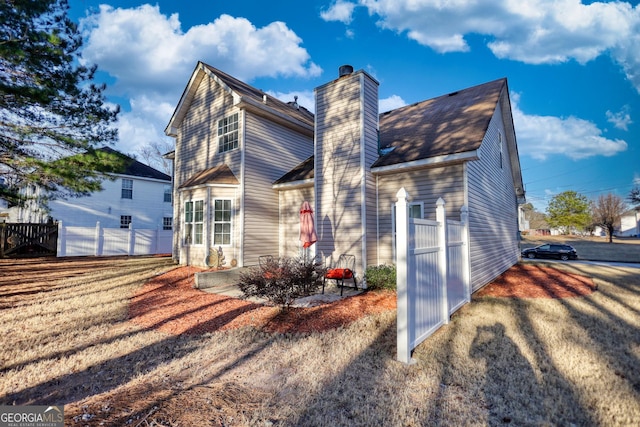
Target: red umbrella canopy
308, 234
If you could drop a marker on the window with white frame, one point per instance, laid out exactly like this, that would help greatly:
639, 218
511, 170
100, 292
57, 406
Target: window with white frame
228, 133
222, 222
193, 222
127, 188
167, 193
167, 223
125, 221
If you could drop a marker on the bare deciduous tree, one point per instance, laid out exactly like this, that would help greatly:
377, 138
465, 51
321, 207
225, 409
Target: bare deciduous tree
152, 154
606, 212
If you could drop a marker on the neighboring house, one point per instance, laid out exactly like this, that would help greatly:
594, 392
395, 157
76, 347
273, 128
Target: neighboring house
140, 195
630, 223
245, 162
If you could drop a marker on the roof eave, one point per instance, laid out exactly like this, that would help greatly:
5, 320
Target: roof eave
185, 100
294, 184
263, 109
429, 162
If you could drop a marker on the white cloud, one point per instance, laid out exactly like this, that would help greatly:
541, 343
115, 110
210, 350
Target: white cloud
339, 10
621, 119
151, 58
530, 31
542, 136
306, 99
390, 103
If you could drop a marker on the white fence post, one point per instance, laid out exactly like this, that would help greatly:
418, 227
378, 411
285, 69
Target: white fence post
466, 273
62, 240
441, 218
97, 242
402, 243
131, 240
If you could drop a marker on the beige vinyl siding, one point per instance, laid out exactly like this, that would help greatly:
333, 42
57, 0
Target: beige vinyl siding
493, 212
343, 113
370, 156
271, 150
290, 203
424, 186
197, 150
197, 141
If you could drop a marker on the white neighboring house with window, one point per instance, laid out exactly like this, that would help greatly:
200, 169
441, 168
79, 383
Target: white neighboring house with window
140, 196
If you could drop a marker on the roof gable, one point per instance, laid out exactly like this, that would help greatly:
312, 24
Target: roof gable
450, 124
244, 96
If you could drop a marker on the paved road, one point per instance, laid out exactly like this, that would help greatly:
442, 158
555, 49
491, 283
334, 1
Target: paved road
604, 263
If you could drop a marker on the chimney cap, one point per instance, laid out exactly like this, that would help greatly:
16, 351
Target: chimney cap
345, 70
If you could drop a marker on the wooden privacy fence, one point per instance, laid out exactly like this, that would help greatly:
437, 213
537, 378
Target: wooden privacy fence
432, 273
99, 241
26, 239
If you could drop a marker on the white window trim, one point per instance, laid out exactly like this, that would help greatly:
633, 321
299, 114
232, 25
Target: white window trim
130, 188
237, 130
193, 222
214, 222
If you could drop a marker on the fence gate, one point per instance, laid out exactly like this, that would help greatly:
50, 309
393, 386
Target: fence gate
23, 240
432, 273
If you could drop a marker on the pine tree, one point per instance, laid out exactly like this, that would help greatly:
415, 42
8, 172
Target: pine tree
52, 114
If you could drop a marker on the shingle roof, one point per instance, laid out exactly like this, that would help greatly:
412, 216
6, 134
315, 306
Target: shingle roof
135, 168
301, 172
245, 90
220, 174
449, 124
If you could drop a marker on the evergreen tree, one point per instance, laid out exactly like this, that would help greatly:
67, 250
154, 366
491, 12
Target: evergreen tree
568, 211
634, 196
52, 115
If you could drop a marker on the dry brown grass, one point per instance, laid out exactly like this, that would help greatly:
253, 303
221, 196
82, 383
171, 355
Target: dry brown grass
573, 361
593, 248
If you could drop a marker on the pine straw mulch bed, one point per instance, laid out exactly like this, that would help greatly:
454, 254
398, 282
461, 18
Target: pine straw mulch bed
170, 304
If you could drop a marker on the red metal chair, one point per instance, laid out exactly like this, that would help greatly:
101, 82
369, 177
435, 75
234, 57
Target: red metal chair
345, 269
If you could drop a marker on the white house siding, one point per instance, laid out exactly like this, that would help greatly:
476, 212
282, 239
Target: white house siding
630, 224
424, 186
493, 209
147, 208
290, 203
271, 150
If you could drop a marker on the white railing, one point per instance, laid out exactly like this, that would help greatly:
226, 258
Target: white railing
99, 241
432, 273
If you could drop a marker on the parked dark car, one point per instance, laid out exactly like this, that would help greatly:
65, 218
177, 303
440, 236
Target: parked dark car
548, 250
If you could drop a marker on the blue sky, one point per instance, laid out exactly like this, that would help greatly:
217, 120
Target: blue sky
573, 67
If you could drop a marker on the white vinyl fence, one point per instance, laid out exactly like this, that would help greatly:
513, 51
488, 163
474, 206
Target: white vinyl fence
432, 273
99, 241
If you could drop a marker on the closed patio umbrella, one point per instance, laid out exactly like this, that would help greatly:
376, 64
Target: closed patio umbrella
308, 234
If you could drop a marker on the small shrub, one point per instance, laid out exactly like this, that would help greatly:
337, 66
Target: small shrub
282, 281
381, 277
